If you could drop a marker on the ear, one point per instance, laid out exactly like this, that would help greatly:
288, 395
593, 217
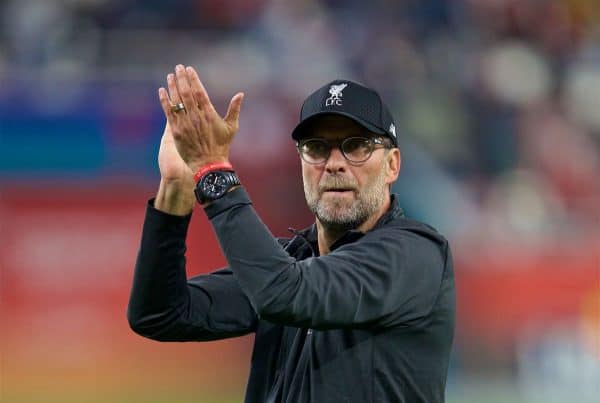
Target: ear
394, 160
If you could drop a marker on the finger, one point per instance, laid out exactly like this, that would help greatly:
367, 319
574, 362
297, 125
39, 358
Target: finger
183, 85
233, 112
165, 102
173, 91
198, 89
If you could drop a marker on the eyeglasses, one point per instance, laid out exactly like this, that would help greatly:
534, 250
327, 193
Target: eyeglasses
354, 149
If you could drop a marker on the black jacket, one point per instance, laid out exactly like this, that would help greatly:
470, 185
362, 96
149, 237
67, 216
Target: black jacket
371, 321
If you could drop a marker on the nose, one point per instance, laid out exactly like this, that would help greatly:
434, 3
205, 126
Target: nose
336, 161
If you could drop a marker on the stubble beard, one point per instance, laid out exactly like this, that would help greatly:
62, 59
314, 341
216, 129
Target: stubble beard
340, 214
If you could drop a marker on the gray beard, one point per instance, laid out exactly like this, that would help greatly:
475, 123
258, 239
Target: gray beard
341, 215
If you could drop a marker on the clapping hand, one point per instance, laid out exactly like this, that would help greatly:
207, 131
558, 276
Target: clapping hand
199, 134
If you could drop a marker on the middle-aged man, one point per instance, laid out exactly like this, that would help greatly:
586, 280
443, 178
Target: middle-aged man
358, 307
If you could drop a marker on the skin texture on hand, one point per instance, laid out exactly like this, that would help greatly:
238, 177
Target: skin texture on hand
176, 191
200, 134
171, 165
192, 138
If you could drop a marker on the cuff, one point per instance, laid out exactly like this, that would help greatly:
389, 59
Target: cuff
237, 197
162, 221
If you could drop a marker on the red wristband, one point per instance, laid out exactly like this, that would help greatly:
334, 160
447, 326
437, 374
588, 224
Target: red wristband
215, 166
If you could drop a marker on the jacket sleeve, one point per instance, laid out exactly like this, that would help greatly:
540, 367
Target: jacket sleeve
165, 306
388, 277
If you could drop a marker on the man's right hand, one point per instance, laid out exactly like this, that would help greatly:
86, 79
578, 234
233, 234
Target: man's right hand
171, 165
176, 191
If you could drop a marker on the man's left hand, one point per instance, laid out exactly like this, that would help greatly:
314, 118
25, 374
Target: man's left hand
201, 135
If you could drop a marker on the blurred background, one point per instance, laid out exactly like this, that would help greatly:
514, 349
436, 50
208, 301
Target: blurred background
497, 104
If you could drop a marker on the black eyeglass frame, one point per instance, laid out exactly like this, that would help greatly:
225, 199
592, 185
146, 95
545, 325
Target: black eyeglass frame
373, 142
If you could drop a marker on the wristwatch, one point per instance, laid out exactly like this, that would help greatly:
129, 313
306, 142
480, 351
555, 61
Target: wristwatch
214, 184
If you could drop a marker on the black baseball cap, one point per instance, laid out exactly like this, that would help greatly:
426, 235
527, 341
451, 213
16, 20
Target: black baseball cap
352, 100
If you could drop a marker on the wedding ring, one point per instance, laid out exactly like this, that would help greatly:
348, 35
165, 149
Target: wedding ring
178, 107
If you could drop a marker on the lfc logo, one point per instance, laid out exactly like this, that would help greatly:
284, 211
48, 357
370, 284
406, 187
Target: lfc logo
336, 94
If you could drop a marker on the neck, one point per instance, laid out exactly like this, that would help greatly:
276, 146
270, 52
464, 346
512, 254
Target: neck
328, 234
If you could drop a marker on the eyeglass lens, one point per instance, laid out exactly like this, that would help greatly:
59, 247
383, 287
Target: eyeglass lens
355, 149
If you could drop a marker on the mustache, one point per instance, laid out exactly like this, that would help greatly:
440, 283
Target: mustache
336, 183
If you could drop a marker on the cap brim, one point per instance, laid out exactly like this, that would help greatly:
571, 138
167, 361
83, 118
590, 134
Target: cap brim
297, 132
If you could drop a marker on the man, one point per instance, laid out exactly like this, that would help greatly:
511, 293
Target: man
359, 307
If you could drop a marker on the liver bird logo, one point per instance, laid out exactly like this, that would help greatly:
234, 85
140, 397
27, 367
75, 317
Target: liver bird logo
336, 94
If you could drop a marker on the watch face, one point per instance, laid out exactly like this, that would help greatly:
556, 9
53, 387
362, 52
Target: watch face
214, 185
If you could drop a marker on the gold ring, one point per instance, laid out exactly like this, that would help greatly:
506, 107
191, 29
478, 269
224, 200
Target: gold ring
178, 107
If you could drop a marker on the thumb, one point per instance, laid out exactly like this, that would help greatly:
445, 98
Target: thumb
233, 112
167, 134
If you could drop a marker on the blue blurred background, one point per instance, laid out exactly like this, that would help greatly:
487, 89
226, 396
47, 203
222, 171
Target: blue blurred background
497, 103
